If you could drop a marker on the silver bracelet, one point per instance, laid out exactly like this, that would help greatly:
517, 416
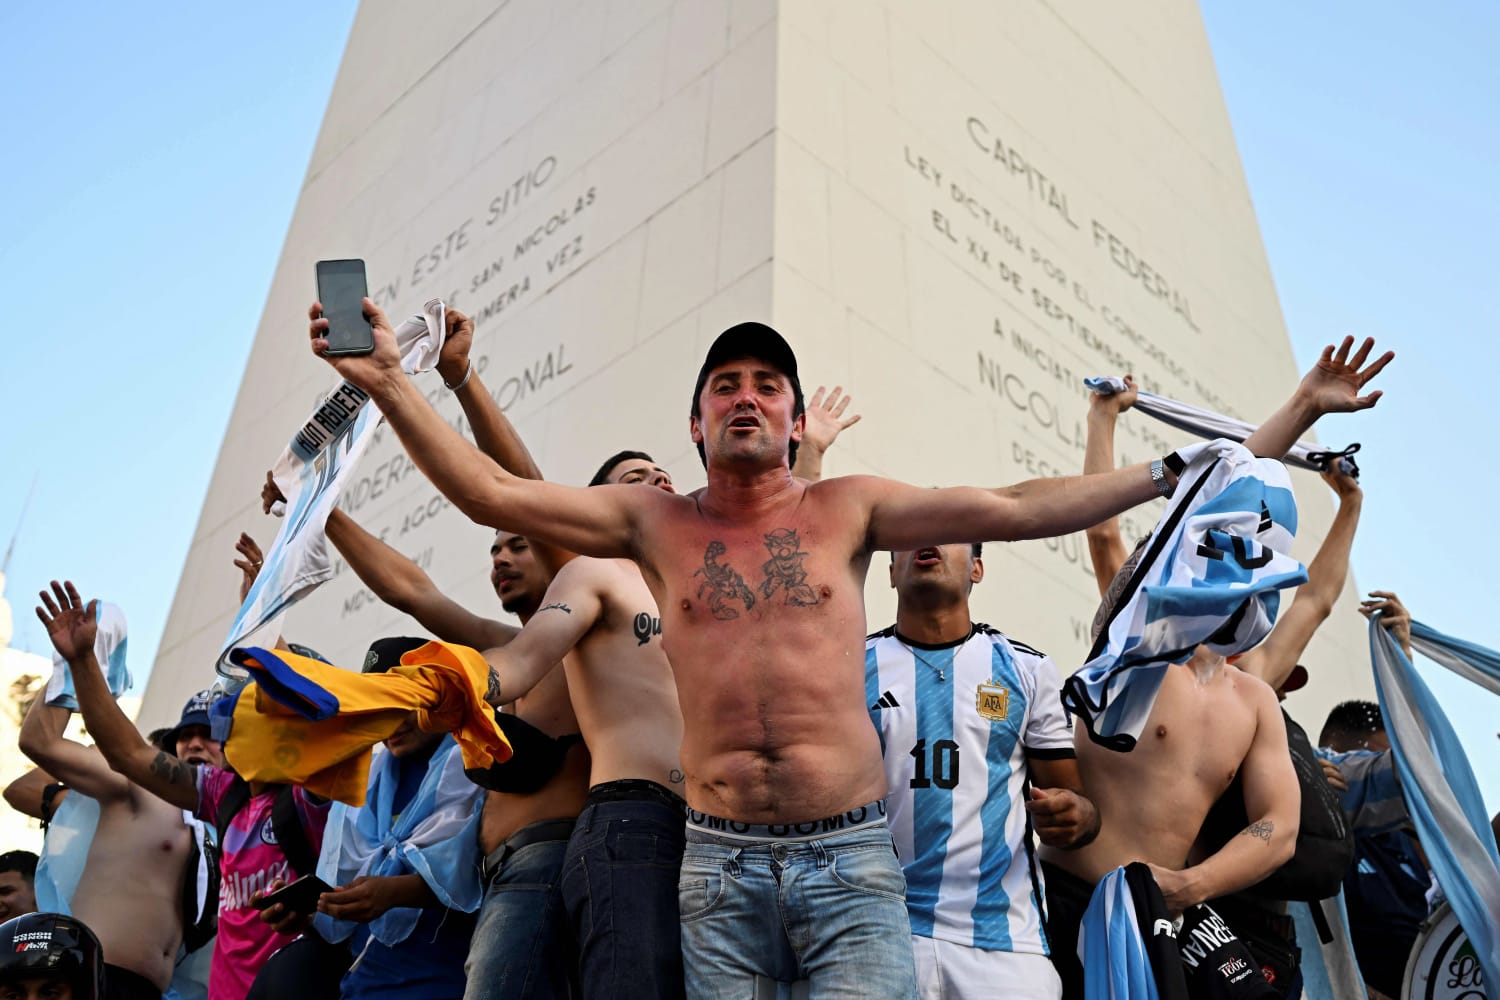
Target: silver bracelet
468, 374
1159, 478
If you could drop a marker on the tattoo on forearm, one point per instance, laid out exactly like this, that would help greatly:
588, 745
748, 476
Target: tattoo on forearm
1261, 829
555, 606
173, 770
721, 586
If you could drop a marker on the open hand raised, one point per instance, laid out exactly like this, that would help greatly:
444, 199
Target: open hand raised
70, 625
1334, 383
825, 418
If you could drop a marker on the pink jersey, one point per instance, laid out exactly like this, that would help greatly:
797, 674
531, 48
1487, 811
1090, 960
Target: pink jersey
250, 860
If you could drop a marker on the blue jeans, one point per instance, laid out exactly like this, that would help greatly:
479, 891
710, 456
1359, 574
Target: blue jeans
619, 883
831, 910
521, 946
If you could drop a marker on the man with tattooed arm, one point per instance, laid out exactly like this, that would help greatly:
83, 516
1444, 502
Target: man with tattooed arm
1212, 723
250, 860
789, 870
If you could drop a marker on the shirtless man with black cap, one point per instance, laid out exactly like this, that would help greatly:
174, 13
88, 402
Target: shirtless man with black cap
789, 870
600, 620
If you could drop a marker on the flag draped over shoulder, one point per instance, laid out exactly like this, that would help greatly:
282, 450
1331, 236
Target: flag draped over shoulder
436, 836
1210, 574
311, 473
1208, 424
305, 722
1437, 782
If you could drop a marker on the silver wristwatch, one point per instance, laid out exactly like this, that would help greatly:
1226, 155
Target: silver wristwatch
1159, 478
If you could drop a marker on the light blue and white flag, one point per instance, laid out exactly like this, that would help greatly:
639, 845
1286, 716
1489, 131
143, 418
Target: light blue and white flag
1207, 424
311, 473
110, 643
1126, 942
436, 836
1329, 971
65, 849
1441, 794
1210, 574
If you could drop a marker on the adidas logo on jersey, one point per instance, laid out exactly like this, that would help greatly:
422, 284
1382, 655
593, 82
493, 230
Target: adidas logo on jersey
887, 700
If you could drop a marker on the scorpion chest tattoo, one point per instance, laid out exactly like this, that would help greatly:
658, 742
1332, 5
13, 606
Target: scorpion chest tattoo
784, 578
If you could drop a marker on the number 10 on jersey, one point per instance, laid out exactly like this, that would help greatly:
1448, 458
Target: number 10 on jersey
944, 764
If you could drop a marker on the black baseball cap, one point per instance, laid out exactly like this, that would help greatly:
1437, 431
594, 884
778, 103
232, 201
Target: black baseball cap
386, 653
748, 340
751, 340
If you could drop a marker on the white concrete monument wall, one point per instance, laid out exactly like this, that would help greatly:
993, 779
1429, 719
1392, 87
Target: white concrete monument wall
958, 211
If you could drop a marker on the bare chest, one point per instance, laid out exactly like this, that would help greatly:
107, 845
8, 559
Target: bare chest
1196, 738
755, 572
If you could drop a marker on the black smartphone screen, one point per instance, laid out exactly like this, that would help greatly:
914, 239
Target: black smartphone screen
341, 285
301, 896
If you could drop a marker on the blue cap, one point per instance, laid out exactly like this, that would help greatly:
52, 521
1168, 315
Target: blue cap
194, 713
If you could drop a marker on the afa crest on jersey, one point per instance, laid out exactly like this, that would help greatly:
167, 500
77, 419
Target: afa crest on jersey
993, 701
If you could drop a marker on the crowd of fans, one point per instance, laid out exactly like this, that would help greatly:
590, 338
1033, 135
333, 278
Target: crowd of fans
719, 786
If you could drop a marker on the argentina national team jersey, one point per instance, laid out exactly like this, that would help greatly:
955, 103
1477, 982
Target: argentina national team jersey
956, 724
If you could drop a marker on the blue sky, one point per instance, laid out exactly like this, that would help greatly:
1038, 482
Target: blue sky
153, 164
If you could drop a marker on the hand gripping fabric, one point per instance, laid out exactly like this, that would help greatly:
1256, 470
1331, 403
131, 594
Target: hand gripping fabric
309, 723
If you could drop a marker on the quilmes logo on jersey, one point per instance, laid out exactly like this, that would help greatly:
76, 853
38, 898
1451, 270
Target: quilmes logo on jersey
992, 701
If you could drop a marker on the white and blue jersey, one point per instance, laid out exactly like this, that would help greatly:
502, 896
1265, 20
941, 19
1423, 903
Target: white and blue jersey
956, 725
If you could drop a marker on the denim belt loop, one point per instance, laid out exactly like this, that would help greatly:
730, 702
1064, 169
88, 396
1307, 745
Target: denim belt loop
821, 853
735, 869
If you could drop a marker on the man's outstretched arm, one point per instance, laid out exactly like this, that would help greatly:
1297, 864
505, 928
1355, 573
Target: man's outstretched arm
1332, 386
601, 521
70, 625
1273, 804
401, 583
903, 517
572, 605
1272, 661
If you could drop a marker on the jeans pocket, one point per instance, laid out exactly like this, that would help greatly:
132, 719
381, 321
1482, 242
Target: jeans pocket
871, 870
641, 848
700, 889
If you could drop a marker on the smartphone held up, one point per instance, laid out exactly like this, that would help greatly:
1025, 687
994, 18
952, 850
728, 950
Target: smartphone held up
341, 287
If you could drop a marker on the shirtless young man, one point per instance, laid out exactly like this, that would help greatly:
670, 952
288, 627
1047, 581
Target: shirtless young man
130, 892
620, 876
1210, 723
247, 860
